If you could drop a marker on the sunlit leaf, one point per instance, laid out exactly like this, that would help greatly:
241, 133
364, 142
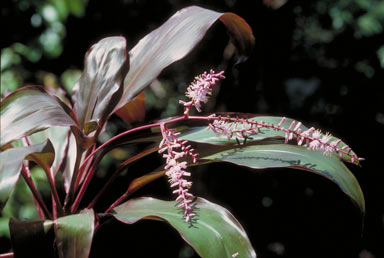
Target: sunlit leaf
29, 110
214, 232
292, 156
175, 39
11, 161
100, 86
74, 234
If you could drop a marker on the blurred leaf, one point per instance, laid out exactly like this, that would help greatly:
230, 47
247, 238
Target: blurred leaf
77, 7
29, 110
11, 162
10, 81
134, 110
74, 234
214, 232
139, 182
32, 238
172, 41
69, 79
99, 89
292, 156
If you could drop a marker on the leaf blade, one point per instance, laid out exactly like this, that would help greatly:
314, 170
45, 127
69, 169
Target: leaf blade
30, 109
292, 156
100, 86
74, 234
11, 161
216, 233
172, 41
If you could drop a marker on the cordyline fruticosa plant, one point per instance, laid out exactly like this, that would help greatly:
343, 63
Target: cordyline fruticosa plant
112, 78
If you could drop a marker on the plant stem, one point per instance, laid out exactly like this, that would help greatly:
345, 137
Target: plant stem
92, 154
86, 182
51, 182
36, 195
119, 170
7, 255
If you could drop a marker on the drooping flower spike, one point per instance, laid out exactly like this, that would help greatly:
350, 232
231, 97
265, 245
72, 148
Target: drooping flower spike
175, 149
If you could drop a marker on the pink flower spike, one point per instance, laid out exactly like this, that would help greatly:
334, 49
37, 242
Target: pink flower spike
199, 90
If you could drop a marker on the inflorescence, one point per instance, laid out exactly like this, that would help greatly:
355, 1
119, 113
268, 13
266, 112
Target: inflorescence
176, 149
311, 138
199, 91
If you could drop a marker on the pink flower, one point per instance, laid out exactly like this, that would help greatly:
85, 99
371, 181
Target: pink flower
176, 170
200, 89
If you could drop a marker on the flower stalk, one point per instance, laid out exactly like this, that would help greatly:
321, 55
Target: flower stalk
176, 168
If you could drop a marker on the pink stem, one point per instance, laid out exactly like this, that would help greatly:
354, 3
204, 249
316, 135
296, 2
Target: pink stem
7, 255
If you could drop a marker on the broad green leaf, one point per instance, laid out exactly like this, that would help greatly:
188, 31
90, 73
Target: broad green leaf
11, 161
29, 110
284, 155
32, 238
74, 234
99, 88
214, 232
175, 39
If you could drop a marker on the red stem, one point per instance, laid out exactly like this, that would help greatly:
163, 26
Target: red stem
7, 255
51, 182
118, 171
36, 195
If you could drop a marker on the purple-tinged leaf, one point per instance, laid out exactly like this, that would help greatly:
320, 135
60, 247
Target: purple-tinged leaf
11, 161
29, 110
74, 234
214, 232
99, 89
175, 39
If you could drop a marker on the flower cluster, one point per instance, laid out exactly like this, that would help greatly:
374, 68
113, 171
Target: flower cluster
311, 138
200, 89
176, 169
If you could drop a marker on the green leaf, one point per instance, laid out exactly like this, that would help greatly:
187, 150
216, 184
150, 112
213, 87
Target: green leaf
32, 238
214, 232
175, 39
29, 110
11, 161
74, 234
100, 86
292, 156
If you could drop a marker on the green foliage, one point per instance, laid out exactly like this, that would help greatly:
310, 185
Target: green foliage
213, 233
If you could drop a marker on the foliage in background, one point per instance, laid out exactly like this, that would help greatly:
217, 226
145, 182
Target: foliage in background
48, 19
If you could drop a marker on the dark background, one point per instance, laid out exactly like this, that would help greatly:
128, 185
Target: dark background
314, 61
